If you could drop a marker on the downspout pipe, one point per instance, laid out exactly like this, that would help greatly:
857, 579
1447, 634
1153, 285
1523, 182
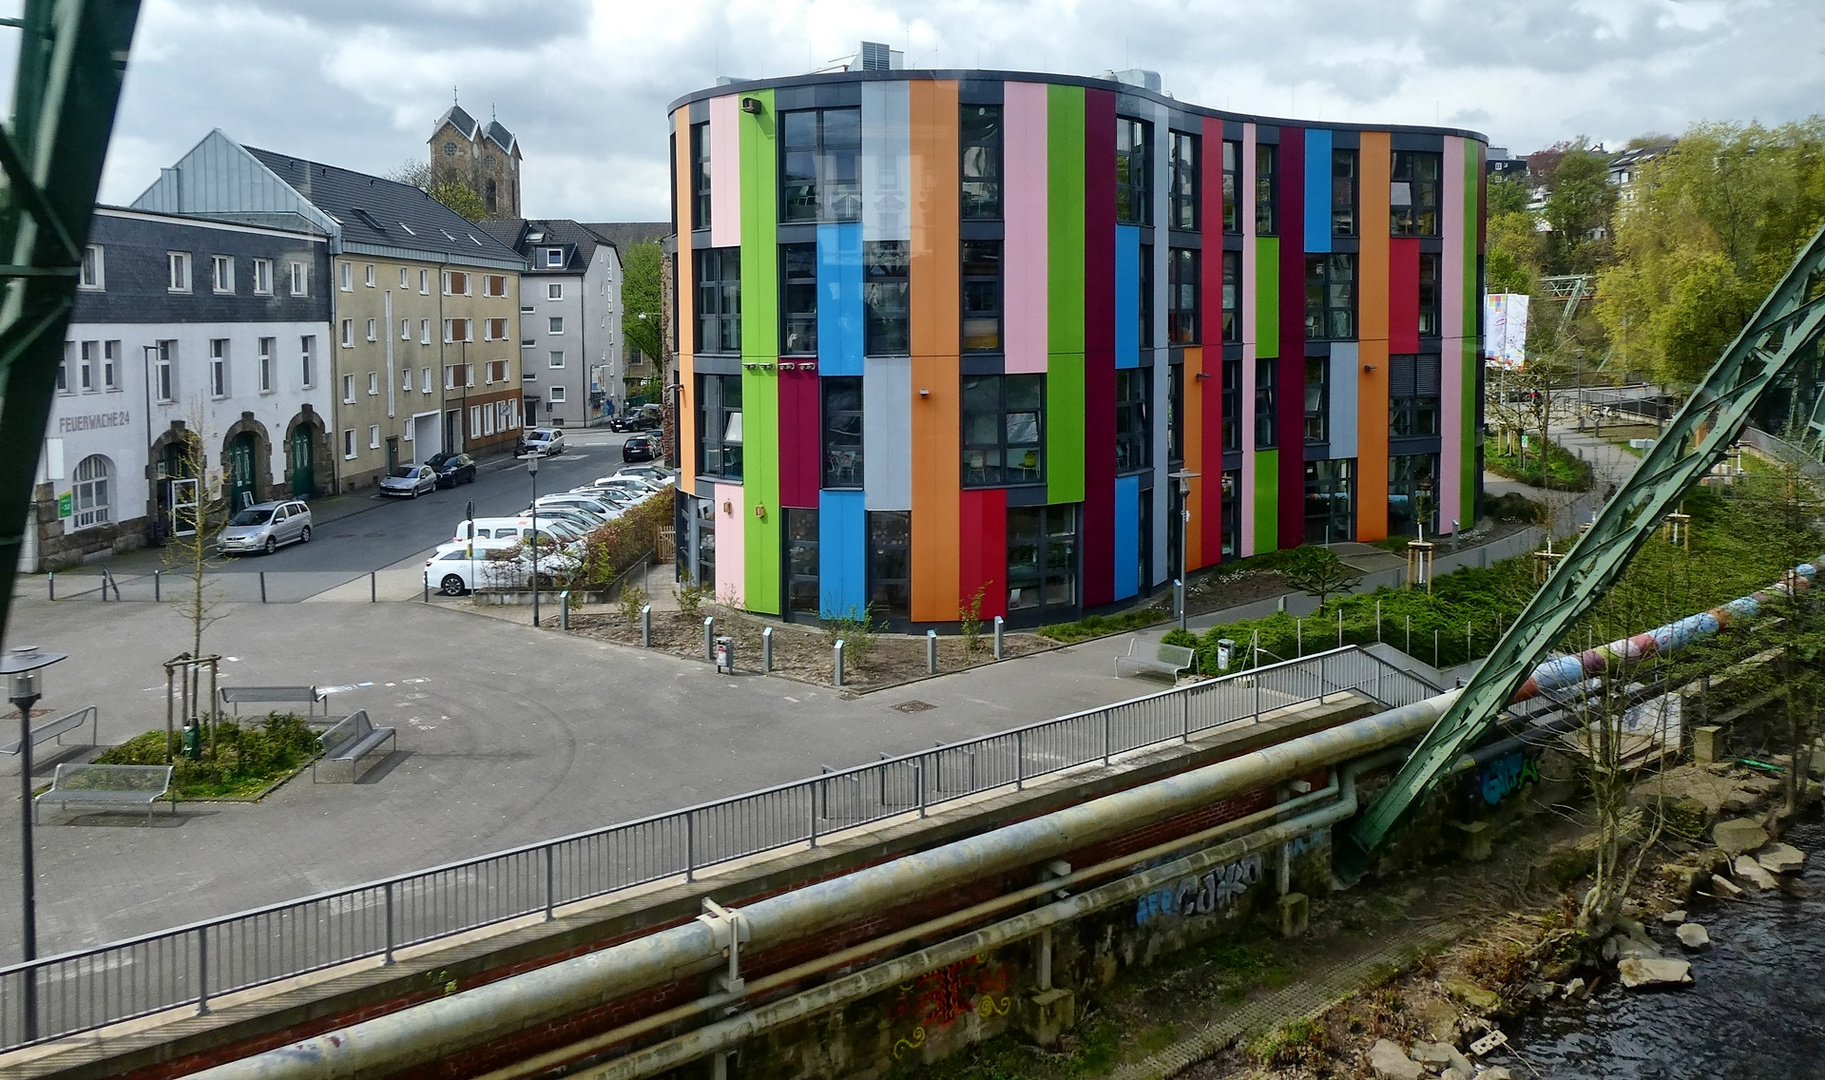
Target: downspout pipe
437, 1029
731, 1033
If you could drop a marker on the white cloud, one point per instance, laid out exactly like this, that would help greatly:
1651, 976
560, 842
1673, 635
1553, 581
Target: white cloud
585, 85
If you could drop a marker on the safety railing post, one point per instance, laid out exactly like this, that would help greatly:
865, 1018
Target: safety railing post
766, 651
690, 846
202, 970
550, 881
998, 629
646, 626
1020, 760
919, 783
1106, 721
811, 801
1185, 715
389, 905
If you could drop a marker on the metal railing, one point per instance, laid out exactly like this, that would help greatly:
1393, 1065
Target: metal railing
190, 965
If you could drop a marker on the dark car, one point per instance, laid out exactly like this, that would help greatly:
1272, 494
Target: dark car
452, 469
640, 448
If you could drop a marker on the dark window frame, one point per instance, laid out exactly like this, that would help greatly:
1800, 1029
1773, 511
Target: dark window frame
1232, 403
1056, 545
1133, 419
827, 194
715, 453
1182, 186
1232, 296
718, 329
1175, 412
1415, 395
700, 176
1133, 172
1431, 291
1331, 296
1019, 407
841, 410
801, 536
1346, 191
890, 542
1422, 171
1232, 187
1146, 305
1266, 393
1183, 296
979, 197
1317, 399
980, 293
887, 298
1267, 184
797, 325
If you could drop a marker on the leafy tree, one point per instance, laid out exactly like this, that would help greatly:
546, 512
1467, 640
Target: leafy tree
1579, 205
1317, 571
640, 296
459, 197
412, 171
1514, 241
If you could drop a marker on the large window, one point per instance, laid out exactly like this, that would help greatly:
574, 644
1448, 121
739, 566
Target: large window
1330, 296
842, 432
700, 176
1231, 510
1317, 399
719, 426
1132, 139
890, 563
802, 585
1413, 395
981, 295
1428, 293
980, 136
1343, 192
1182, 296
1264, 403
164, 372
1175, 412
798, 307
89, 492
1232, 296
1133, 426
886, 298
1232, 404
218, 367
1267, 161
1003, 429
1182, 185
1146, 276
1412, 494
1329, 501
719, 300
1042, 557
1232, 191
821, 165
1413, 193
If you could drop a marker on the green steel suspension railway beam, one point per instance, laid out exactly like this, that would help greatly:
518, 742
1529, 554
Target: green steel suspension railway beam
1789, 320
72, 56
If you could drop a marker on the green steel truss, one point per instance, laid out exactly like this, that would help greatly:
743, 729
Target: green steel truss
1696, 439
72, 56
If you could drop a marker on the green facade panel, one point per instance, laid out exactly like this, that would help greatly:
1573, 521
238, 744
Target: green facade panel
1267, 501
1064, 433
1267, 297
761, 516
1064, 420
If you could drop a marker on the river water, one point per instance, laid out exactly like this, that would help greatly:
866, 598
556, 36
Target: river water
1756, 1009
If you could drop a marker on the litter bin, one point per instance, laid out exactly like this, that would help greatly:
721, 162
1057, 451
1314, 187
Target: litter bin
1226, 649
725, 654
193, 741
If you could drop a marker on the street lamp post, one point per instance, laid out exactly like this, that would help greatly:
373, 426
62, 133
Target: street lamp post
1184, 478
532, 470
21, 665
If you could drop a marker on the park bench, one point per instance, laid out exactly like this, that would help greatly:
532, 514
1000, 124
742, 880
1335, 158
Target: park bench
1167, 660
108, 785
310, 695
351, 739
55, 728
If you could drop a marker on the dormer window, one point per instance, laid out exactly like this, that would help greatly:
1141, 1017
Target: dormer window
554, 256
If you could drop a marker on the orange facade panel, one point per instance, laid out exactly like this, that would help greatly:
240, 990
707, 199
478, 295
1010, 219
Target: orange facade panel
936, 373
1373, 297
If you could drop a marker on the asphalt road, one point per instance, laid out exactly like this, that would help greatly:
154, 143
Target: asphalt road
360, 533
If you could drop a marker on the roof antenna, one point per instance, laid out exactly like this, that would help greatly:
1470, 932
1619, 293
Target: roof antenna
453, 100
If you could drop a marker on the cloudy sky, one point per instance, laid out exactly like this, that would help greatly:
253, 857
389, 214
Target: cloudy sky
584, 83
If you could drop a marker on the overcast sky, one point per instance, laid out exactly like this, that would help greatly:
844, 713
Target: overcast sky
584, 84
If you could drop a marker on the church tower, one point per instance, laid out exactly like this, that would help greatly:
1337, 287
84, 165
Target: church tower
485, 157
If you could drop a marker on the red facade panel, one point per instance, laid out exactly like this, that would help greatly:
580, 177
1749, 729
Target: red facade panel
799, 427
1099, 348
1289, 425
1403, 296
983, 549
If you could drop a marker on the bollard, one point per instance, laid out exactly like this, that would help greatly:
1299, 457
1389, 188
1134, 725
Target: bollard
564, 610
997, 637
373, 589
766, 651
262, 586
50, 579
837, 650
157, 592
709, 638
931, 652
646, 626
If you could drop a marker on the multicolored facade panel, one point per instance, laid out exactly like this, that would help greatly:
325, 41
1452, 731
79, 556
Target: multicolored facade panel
1034, 344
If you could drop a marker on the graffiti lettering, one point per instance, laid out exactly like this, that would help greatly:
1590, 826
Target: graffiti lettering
1214, 891
1499, 778
939, 998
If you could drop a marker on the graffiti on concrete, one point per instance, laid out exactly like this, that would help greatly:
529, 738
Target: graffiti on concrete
1306, 843
940, 998
1499, 778
1214, 891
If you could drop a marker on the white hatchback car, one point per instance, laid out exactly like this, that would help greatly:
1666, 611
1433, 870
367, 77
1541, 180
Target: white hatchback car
547, 441
455, 568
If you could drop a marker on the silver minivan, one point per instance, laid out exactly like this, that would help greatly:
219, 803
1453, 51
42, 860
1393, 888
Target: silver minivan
265, 527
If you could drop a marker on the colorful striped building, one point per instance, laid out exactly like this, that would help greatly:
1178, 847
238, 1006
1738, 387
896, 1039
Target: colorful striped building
948, 334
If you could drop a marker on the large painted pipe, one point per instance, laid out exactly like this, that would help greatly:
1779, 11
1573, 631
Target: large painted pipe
1563, 671
437, 1029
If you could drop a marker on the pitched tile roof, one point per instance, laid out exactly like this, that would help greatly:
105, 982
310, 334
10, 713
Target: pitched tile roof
625, 234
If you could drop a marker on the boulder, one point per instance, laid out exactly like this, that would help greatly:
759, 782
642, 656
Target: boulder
1674, 918
1739, 835
1473, 995
1693, 936
1638, 972
1751, 872
1430, 1053
1725, 889
1630, 947
1495, 1072
1390, 1062
1781, 858
1459, 1063
1575, 989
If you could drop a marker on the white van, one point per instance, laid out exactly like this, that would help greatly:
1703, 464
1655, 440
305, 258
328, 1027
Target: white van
496, 534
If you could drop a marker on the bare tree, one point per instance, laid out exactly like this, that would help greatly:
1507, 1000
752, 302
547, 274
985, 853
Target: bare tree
189, 550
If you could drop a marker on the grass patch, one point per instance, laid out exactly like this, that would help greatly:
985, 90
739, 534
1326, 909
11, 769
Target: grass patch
1561, 470
1091, 626
244, 762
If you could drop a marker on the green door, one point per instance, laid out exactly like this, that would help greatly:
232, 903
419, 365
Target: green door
303, 453
241, 488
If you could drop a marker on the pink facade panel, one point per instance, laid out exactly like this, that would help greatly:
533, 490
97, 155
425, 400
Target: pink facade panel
730, 544
1024, 199
1451, 319
725, 171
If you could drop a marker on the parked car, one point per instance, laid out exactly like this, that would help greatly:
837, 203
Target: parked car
640, 448
265, 527
409, 481
454, 570
500, 533
617, 496
574, 518
625, 488
452, 469
547, 441
634, 481
656, 473
602, 508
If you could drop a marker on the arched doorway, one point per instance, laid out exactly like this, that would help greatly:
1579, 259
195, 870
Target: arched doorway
303, 450
241, 480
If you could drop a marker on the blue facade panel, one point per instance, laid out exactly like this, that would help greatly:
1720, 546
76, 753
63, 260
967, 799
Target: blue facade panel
839, 299
1317, 190
1127, 296
842, 545
1127, 536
